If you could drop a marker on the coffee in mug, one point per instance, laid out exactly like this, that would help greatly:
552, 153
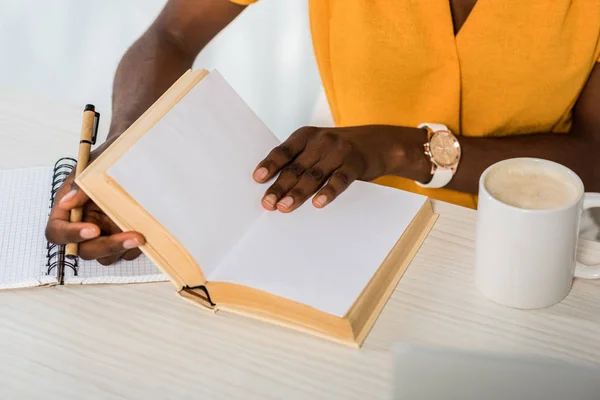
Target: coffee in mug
531, 186
528, 221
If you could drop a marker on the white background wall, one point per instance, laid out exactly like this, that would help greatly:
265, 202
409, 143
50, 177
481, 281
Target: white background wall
68, 50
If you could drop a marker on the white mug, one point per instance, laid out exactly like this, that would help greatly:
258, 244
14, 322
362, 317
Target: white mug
525, 258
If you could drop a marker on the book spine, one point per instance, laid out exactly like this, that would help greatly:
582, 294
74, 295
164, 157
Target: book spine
197, 295
56, 262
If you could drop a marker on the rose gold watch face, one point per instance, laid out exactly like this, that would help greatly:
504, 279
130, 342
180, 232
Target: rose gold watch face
445, 149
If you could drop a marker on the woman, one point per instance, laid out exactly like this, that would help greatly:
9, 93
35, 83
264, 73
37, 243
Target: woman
473, 81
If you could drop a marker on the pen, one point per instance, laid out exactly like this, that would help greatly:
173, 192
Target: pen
89, 131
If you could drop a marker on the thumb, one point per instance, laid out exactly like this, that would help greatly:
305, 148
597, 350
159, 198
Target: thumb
73, 199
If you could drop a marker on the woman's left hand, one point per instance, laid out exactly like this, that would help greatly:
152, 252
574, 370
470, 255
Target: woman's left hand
328, 160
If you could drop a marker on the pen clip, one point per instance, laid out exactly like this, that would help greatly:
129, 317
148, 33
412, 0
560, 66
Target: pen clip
95, 128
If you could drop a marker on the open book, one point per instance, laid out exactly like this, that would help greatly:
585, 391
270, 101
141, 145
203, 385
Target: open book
326, 271
26, 258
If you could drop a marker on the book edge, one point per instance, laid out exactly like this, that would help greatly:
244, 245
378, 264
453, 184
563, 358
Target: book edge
403, 265
95, 177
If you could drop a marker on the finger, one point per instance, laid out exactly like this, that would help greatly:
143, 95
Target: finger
72, 199
106, 261
282, 155
312, 179
131, 254
59, 229
91, 216
94, 215
338, 182
289, 177
70, 194
127, 256
113, 245
62, 232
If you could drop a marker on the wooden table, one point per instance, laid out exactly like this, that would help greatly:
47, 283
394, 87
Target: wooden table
142, 341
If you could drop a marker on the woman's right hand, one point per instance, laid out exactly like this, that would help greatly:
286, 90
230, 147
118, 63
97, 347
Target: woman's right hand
98, 236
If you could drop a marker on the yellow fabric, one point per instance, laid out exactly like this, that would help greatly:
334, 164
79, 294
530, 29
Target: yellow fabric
244, 2
515, 67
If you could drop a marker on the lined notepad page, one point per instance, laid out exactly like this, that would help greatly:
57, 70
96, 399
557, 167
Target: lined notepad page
24, 207
136, 271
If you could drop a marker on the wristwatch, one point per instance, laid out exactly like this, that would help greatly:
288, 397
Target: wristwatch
443, 150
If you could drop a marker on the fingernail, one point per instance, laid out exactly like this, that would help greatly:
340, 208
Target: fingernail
88, 233
270, 200
130, 244
321, 200
286, 202
261, 174
68, 196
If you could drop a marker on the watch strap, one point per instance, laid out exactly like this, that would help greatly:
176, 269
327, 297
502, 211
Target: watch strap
433, 127
440, 178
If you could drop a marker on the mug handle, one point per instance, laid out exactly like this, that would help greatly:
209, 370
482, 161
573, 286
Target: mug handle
590, 200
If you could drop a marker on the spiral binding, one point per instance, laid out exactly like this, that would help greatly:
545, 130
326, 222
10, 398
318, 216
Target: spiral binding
56, 260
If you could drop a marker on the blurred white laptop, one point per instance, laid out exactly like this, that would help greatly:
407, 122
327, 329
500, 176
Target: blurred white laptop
422, 373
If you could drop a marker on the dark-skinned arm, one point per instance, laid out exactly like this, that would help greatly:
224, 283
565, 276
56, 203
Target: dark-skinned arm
156, 60
163, 53
578, 150
325, 161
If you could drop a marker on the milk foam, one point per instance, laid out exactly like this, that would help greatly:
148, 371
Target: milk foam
531, 185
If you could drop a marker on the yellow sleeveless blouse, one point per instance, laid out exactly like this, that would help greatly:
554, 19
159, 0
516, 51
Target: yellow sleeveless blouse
515, 67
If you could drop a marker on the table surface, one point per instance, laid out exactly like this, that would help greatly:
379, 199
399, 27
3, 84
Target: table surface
135, 341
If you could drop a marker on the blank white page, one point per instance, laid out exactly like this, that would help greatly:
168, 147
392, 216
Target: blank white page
193, 170
140, 270
323, 258
24, 208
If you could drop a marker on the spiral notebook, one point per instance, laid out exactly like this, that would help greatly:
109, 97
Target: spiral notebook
27, 259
